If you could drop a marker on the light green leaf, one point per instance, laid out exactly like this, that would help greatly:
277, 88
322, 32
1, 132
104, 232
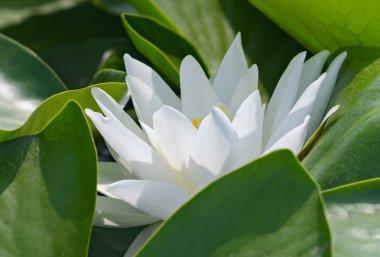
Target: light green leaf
349, 149
48, 189
326, 24
270, 208
50, 107
353, 212
25, 81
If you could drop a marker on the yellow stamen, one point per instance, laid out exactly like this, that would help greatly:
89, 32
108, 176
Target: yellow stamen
197, 122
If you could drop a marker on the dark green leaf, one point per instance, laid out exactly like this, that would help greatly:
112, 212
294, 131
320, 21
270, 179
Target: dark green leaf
71, 41
269, 208
212, 25
111, 242
354, 216
48, 189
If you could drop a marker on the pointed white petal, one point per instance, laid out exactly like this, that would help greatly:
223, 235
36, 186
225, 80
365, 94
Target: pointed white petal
325, 93
248, 83
125, 99
137, 155
248, 124
215, 149
310, 141
142, 71
111, 212
233, 66
141, 238
301, 109
158, 199
311, 70
113, 110
108, 173
151, 136
197, 95
284, 96
175, 136
293, 140
145, 99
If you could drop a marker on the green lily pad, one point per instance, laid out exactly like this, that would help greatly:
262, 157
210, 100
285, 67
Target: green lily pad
353, 212
50, 107
326, 24
349, 149
25, 81
270, 208
48, 189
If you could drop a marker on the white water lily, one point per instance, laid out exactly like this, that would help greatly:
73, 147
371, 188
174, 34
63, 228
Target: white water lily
218, 125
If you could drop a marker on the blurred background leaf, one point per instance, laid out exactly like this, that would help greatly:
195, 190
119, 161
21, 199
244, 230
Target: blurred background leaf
326, 24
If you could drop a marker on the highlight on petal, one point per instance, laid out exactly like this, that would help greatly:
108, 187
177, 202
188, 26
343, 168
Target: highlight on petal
113, 110
158, 199
293, 140
301, 109
233, 66
142, 71
175, 136
325, 93
247, 84
137, 155
284, 95
115, 213
145, 99
197, 95
108, 173
311, 70
248, 124
215, 150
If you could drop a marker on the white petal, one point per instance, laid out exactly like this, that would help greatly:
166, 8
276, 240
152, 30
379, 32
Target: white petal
142, 71
311, 70
233, 66
175, 136
293, 140
113, 110
158, 199
138, 156
141, 238
197, 95
284, 96
248, 124
111, 212
145, 99
215, 150
325, 93
248, 83
151, 136
125, 99
301, 109
108, 173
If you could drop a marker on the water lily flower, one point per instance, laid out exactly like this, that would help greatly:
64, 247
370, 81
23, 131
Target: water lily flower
215, 126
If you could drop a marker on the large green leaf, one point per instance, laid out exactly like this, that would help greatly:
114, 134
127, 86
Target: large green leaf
326, 24
48, 189
212, 25
353, 212
270, 207
25, 81
50, 107
72, 41
349, 150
